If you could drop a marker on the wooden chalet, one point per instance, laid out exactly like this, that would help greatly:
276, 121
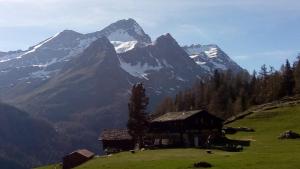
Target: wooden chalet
115, 140
184, 129
77, 158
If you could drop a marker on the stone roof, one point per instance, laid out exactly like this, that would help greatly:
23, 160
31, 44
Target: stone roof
182, 115
84, 152
115, 134
175, 116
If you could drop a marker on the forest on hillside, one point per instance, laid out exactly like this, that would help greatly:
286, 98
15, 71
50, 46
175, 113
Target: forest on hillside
227, 93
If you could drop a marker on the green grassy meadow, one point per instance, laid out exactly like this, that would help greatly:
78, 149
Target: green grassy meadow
265, 152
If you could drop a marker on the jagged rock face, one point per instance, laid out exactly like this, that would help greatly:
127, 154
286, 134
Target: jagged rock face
211, 57
163, 66
163, 54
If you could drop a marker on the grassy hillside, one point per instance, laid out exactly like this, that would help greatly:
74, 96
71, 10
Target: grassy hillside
266, 151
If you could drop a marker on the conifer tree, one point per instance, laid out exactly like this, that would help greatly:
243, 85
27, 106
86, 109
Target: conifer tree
288, 81
297, 75
226, 93
138, 120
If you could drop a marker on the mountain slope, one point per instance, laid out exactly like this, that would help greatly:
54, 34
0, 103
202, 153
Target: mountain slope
90, 79
89, 94
25, 141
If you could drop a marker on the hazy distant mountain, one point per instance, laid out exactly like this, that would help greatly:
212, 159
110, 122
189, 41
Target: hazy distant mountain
81, 82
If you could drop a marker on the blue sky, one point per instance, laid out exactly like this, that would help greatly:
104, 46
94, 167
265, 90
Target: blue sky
251, 32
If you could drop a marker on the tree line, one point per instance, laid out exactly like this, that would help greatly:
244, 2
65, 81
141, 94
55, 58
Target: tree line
226, 93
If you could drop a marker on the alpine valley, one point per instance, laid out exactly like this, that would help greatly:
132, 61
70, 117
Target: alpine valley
75, 85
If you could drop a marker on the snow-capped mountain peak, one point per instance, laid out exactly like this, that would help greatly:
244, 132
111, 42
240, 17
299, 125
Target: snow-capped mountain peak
124, 30
136, 55
211, 57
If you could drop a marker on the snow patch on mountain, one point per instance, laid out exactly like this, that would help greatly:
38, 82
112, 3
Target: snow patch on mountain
180, 78
10, 56
54, 60
121, 47
193, 50
4, 60
42, 74
200, 63
139, 70
37, 46
212, 52
193, 56
209, 50
83, 44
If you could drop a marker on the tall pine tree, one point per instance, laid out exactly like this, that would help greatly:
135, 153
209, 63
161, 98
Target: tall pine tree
288, 81
297, 75
138, 120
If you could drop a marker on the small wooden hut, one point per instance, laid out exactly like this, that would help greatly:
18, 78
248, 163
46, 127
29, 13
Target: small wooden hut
77, 158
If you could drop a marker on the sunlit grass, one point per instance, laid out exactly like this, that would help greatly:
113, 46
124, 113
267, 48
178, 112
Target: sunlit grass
266, 150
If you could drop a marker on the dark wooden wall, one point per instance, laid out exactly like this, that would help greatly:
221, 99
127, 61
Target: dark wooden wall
118, 144
73, 160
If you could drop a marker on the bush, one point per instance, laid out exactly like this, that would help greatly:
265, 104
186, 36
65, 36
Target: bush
202, 165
